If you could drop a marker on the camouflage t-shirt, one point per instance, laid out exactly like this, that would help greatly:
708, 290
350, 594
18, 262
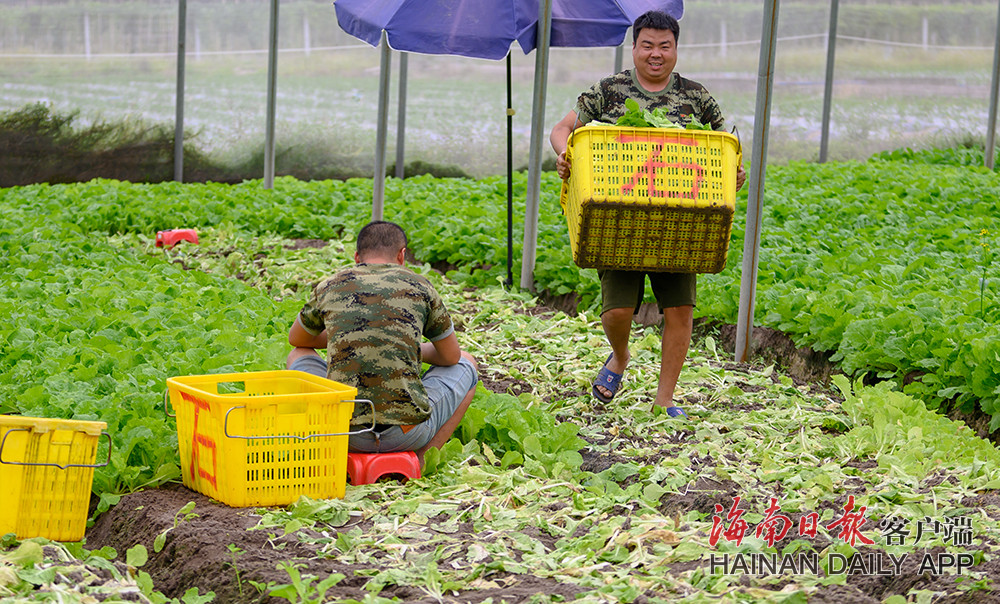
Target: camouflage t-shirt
605, 101
376, 316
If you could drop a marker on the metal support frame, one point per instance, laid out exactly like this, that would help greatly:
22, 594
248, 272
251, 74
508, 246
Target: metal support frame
401, 115
758, 164
991, 128
533, 197
179, 99
831, 47
381, 132
510, 179
272, 88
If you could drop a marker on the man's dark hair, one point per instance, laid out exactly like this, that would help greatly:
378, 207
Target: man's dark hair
655, 19
380, 237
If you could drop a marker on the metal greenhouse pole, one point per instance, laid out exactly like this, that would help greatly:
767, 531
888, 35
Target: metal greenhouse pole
510, 180
272, 88
991, 128
533, 198
401, 115
831, 46
378, 181
179, 120
758, 163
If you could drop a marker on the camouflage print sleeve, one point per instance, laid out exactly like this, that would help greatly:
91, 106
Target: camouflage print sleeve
439, 324
712, 113
588, 105
310, 316
692, 99
605, 100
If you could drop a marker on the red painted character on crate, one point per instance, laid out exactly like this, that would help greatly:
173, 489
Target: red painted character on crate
653, 85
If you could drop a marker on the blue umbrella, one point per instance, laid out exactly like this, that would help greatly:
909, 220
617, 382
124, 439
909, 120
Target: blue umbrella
487, 29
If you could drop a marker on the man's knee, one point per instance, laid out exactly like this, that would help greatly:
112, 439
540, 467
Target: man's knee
618, 315
624, 311
475, 372
468, 357
298, 353
678, 316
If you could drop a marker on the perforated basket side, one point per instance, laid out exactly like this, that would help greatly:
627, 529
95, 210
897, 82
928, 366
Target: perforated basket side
44, 494
259, 446
665, 239
651, 199
282, 469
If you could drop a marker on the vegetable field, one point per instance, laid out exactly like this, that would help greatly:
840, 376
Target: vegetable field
544, 495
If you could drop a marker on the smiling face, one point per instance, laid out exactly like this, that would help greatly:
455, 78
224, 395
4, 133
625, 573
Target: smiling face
654, 54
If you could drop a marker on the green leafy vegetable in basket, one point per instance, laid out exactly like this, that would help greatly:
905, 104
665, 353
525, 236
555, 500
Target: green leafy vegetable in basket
637, 117
694, 124
634, 116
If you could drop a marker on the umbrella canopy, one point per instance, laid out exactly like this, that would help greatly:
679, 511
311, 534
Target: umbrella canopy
486, 29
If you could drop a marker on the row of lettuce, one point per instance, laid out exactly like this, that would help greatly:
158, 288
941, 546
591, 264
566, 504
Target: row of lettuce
886, 263
93, 331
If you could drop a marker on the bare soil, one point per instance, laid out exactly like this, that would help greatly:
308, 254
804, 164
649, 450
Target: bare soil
197, 553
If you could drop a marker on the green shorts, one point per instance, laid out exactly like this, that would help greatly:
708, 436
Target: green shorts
625, 289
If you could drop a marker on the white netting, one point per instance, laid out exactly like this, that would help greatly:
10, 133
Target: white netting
907, 75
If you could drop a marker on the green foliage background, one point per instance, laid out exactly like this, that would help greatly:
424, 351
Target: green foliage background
887, 263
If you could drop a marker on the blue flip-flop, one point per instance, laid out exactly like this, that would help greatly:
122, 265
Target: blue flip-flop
676, 411
608, 379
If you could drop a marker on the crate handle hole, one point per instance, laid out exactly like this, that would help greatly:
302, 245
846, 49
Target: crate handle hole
231, 387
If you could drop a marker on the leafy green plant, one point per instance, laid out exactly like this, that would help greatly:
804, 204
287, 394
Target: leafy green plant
183, 514
137, 556
303, 589
966, 584
515, 431
637, 117
42, 570
234, 553
900, 431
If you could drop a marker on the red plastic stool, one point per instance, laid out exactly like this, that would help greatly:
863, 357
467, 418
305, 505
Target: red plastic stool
174, 236
366, 468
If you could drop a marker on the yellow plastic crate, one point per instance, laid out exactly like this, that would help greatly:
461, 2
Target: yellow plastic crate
651, 199
262, 438
47, 475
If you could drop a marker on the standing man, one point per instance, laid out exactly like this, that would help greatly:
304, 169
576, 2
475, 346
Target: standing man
652, 84
372, 319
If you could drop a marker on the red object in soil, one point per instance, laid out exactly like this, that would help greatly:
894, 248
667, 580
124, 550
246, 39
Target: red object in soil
174, 236
366, 468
